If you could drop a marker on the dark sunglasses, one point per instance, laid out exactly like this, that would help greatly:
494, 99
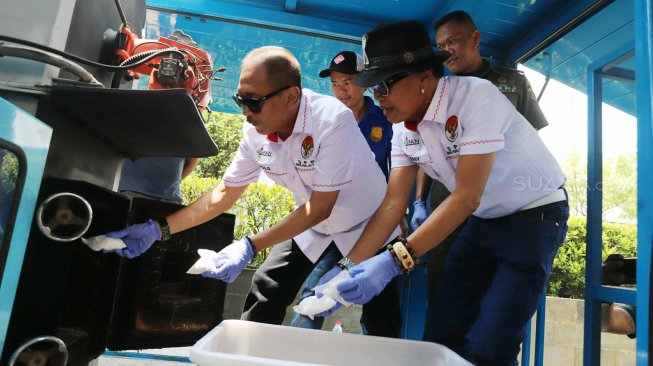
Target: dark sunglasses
384, 86
255, 104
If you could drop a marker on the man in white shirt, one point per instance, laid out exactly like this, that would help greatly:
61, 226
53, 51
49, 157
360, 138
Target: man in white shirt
306, 142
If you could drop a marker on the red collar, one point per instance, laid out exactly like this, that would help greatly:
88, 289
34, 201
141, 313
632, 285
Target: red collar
411, 125
273, 137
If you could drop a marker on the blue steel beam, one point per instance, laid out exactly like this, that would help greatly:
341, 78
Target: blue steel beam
548, 32
644, 88
272, 17
595, 293
290, 6
591, 344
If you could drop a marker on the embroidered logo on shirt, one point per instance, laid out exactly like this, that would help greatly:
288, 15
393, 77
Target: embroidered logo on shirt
307, 147
451, 128
304, 163
263, 154
454, 149
411, 143
377, 133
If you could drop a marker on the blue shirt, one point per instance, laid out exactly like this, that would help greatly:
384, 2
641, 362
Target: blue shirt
378, 133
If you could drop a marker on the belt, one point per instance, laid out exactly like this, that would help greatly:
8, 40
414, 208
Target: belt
557, 196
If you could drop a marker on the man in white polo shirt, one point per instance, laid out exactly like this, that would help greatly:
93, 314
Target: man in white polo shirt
464, 133
308, 143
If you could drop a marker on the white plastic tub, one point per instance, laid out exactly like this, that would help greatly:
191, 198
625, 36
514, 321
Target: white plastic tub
238, 342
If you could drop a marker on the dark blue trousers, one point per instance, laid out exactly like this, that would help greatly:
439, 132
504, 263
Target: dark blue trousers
494, 276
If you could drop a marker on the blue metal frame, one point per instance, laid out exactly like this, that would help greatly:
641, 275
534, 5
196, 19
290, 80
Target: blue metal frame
147, 356
271, 17
544, 33
643, 10
595, 292
33, 137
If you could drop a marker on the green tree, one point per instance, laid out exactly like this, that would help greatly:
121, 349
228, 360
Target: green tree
227, 131
568, 273
260, 207
618, 187
8, 170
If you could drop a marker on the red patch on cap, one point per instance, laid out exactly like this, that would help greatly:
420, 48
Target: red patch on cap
339, 59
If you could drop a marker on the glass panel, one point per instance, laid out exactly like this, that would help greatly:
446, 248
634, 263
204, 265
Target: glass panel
8, 179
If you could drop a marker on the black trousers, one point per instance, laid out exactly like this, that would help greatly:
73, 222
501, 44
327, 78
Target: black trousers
276, 282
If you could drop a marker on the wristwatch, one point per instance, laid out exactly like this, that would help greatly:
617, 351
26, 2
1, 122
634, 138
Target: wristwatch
165, 229
346, 263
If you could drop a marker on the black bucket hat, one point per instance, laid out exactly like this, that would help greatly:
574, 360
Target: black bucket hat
346, 62
391, 48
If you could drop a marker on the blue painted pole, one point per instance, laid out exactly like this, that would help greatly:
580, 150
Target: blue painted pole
643, 13
592, 338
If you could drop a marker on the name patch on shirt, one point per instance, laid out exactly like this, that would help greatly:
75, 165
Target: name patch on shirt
412, 142
451, 128
304, 163
263, 154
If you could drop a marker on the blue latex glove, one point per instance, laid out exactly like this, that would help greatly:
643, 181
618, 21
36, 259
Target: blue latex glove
369, 278
138, 238
324, 279
419, 214
329, 275
231, 260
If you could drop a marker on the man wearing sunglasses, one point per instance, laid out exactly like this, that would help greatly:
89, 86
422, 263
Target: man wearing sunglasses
457, 34
378, 133
306, 142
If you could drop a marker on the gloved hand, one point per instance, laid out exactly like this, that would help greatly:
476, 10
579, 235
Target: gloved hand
231, 260
329, 275
138, 238
369, 278
419, 214
324, 279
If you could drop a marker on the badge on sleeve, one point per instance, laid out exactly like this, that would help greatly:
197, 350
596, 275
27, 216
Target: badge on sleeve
451, 128
307, 147
377, 133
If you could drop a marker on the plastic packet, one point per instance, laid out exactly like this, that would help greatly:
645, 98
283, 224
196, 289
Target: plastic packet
205, 263
330, 288
101, 242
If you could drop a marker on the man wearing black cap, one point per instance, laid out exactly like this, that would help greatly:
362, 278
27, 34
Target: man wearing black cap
377, 132
503, 180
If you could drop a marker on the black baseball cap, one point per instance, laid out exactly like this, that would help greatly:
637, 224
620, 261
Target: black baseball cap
397, 47
346, 62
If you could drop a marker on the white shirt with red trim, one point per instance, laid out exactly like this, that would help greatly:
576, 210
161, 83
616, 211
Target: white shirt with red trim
470, 116
325, 152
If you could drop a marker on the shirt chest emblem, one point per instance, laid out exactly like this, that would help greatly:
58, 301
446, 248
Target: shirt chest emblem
376, 134
263, 154
307, 147
412, 142
451, 128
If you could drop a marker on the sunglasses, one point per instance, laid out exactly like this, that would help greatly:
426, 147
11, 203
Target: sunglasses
384, 86
256, 104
